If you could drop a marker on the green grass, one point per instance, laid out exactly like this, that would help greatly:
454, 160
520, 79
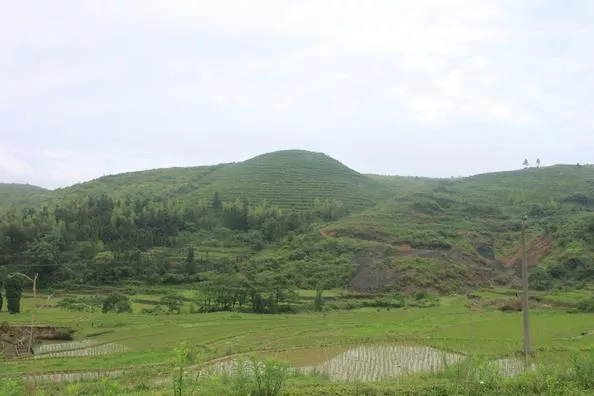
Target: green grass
307, 339
150, 339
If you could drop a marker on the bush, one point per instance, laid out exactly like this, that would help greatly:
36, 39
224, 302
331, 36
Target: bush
157, 310
173, 302
420, 295
540, 279
116, 302
80, 303
586, 305
13, 305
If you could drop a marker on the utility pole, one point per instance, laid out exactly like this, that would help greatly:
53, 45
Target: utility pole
525, 290
34, 280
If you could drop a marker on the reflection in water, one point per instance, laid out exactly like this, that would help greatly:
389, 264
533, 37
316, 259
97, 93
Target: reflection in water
361, 363
75, 349
371, 363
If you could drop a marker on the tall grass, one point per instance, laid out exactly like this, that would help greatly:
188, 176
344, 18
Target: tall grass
252, 377
184, 356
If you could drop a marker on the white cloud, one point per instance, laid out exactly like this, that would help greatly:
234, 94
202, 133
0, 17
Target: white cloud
13, 166
265, 73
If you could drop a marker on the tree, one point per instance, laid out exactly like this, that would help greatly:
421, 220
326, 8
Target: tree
245, 214
538, 162
526, 163
173, 302
14, 290
540, 279
116, 302
319, 301
217, 204
44, 254
190, 264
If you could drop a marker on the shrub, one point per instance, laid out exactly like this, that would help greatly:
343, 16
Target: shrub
420, 295
173, 302
586, 305
116, 302
157, 310
80, 303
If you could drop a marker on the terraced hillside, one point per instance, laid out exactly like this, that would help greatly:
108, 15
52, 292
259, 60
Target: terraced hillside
407, 232
167, 183
290, 178
294, 178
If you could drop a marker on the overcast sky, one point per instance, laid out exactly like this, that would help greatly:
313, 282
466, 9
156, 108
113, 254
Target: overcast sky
419, 87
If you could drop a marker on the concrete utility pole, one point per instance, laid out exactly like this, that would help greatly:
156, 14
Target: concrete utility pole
525, 290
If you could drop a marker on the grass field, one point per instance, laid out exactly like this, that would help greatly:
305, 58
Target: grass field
135, 341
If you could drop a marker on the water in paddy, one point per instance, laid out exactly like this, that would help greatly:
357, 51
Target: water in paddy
369, 362
75, 349
359, 363
372, 363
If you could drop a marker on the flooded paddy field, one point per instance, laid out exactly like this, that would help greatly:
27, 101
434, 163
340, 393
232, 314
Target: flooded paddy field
366, 362
76, 349
341, 347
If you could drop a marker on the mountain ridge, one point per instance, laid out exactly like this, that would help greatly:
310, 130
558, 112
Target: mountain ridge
301, 212
282, 152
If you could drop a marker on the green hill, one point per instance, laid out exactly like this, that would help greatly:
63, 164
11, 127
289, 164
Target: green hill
12, 194
476, 221
288, 179
167, 183
283, 214
293, 178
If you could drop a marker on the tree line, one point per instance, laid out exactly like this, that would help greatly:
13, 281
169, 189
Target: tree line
103, 240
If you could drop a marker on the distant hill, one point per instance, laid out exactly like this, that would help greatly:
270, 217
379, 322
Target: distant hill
476, 220
12, 194
166, 183
293, 178
398, 232
290, 178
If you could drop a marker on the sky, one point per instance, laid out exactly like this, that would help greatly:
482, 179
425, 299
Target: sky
408, 87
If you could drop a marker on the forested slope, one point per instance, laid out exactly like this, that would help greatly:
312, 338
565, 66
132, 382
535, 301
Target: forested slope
295, 219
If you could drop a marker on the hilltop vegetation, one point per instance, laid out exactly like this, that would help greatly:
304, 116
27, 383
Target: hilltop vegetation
477, 220
296, 219
131, 261
13, 194
292, 179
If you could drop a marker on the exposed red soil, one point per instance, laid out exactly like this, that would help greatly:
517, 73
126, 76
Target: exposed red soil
537, 250
404, 248
370, 279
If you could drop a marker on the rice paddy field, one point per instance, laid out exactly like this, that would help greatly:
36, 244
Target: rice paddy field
367, 345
